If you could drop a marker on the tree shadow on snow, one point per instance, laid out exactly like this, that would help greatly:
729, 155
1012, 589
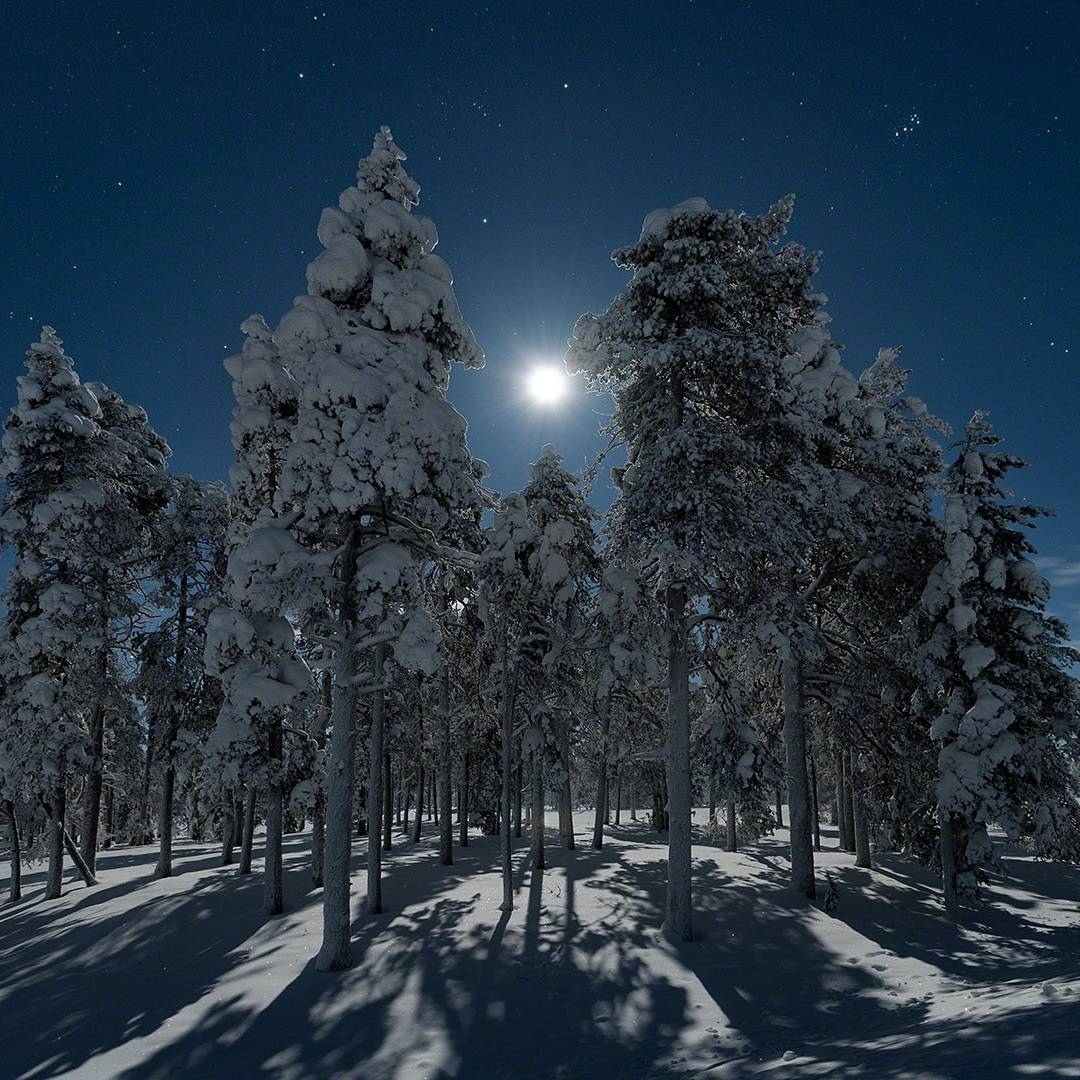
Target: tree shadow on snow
188, 858
76, 984
522, 994
574, 983
898, 905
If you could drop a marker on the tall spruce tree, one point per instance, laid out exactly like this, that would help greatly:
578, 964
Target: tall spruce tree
187, 571
376, 468
117, 560
719, 442
54, 452
245, 747
567, 571
1007, 725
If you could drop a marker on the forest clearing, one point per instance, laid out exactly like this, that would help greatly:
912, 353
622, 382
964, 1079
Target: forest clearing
577, 982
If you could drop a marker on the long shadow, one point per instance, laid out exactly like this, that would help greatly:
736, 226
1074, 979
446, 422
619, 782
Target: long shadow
543, 994
33, 915
119, 858
90, 986
757, 956
994, 943
464, 995
567, 985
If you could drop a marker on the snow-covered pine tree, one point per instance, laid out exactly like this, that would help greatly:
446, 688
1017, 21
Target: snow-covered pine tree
626, 644
739, 687
566, 570
693, 352
245, 747
510, 542
452, 600
867, 615
376, 469
116, 561
53, 453
468, 659
1008, 727
187, 571
536, 565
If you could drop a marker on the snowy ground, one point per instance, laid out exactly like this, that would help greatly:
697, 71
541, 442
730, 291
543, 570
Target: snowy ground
145, 978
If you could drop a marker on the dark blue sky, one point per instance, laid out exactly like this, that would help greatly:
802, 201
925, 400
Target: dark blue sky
164, 174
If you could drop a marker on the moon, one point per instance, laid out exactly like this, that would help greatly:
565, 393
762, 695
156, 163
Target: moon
546, 384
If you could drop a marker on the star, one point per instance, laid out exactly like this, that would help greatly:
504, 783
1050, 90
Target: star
908, 128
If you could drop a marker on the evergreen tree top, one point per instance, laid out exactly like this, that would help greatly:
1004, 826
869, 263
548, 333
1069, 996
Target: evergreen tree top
47, 354
381, 171
711, 294
55, 412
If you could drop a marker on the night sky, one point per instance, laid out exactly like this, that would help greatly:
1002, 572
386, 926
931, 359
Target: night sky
163, 178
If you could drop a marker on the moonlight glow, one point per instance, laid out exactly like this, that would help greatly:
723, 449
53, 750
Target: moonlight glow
546, 384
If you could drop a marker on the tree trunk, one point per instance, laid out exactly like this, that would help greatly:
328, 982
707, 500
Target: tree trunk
228, 830
507, 735
732, 832
238, 820
96, 732
712, 783
273, 896
433, 799
247, 841
419, 803
318, 809
862, 837
463, 802
165, 809
76, 857
172, 729
815, 809
377, 795
15, 890
633, 797
94, 778
849, 806
336, 953
618, 793
145, 834
949, 870
841, 824
678, 918
802, 848
55, 874
110, 817
603, 705
566, 802
779, 807
387, 796
536, 852
361, 809
519, 801
446, 825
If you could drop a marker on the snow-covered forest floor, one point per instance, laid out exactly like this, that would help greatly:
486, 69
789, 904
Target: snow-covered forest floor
184, 977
